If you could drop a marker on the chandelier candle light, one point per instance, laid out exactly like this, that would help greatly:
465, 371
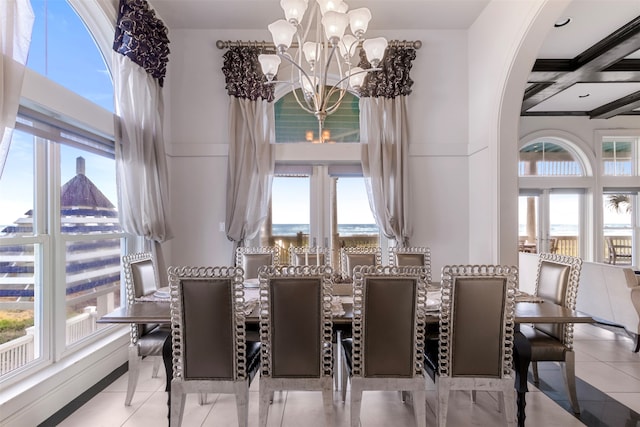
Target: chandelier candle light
311, 64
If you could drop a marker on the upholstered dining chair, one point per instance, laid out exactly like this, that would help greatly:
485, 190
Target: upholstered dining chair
557, 280
305, 255
386, 351
296, 333
402, 256
210, 352
475, 346
146, 340
357, 255
252, 258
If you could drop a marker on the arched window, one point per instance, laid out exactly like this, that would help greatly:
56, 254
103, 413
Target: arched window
548, 158
319, 202
293, 124
64, 51
60, 238
552, 214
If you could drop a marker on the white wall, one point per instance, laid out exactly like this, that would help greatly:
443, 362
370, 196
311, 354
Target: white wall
503, 43
196, 108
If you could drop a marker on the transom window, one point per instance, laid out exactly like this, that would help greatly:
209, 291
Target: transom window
293, 124
544, 158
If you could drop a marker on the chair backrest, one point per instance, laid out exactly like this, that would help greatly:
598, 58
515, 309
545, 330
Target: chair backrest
207, 323
352, 256
557, 280
252, 258
477, 320
140, 275
140, 279
411, 256
389, 321
295, 321
304, 255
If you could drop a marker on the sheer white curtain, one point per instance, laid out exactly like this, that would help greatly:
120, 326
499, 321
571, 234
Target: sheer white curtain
251, 156
139, 64
384, 132
16, 23
251, 163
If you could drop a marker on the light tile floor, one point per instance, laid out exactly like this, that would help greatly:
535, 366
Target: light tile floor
603, 359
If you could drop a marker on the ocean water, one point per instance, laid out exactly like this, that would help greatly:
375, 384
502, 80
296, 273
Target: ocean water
343, 229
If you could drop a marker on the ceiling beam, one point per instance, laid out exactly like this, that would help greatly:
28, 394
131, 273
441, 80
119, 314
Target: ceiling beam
619, 106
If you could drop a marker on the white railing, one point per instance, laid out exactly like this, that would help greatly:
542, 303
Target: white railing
17, 352
20, 351
81, 325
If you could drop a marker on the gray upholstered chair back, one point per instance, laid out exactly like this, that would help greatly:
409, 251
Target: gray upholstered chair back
207, 320
295, 321
477, 321
140, 275
557, 281
140, 280
352, 256
251, 259
411, 256
389, 321
478, 332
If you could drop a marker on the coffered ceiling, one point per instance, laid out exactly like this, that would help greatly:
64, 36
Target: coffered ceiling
591, 65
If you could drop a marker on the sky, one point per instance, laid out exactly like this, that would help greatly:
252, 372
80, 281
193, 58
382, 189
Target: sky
82, 70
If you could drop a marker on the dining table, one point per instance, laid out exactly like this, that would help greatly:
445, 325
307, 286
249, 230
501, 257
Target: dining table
527, 310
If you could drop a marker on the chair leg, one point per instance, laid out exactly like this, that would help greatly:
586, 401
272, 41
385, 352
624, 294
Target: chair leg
501, 401
202, 398
534, 369
569, 376
157, 361
419, 398
443, 387
507, 400
134, 372
242, 403
356, 403
327, 402
473, 396
266, 397
345, 378
178, 398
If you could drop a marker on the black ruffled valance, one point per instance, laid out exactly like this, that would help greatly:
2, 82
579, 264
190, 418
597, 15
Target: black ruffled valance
142, 37
243, 74
393, 79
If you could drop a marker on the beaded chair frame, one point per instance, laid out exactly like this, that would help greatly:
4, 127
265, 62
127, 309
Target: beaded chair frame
359, 250
235, 274
310, 251
449, 274
248, 250
575, 265
288, 271
360, 274
422, 250
127, 260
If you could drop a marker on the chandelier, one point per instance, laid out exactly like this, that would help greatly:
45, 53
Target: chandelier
323, 49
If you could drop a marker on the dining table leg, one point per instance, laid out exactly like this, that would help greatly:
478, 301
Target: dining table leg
521, 361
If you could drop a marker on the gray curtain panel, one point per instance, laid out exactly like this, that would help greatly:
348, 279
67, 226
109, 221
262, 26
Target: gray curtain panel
139, 64
251, 156
384, 133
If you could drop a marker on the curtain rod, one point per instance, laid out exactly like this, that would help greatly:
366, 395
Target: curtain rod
221, 44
